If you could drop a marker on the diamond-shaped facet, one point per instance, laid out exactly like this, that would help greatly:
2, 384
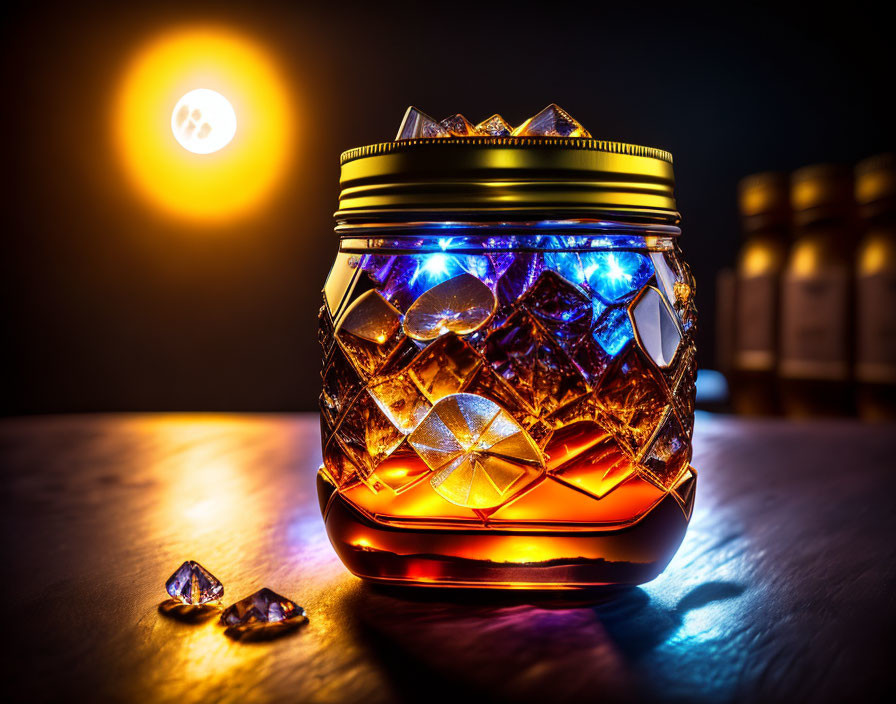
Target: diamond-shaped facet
613, 330
596, 465
417, 124
518, 277
371, 317
684, 489
369, 330
458, 126
262, 608
461, 305
402, 469
193, 584
367, 435
657, 327
494, 126
631, 400
401, 400
341, 383
560, 307
444, 367
553, 121
480, 455
338, 464
536, 365
669, 453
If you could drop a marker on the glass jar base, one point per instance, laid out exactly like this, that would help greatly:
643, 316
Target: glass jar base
572, 558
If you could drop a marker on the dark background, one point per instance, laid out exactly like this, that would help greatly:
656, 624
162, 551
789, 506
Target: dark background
109, 305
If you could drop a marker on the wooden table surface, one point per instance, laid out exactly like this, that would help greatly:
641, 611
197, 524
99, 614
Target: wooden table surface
782, 591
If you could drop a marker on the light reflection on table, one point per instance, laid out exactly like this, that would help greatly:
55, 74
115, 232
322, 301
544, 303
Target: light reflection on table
102, 509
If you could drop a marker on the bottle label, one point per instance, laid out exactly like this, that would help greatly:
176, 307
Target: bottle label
876, 334
814, 325
756, 322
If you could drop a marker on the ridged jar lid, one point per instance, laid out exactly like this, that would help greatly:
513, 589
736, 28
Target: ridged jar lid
506, 179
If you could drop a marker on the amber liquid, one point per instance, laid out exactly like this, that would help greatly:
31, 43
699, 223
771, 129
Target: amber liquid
591, 519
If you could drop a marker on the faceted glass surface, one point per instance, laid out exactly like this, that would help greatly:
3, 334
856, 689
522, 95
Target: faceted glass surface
477, 451
461, 305
263, 608
657, 327
193, 584
476, 378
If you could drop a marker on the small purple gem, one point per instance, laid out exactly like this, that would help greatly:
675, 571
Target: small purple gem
193, 584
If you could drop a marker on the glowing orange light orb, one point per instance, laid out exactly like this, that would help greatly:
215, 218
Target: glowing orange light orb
213, 172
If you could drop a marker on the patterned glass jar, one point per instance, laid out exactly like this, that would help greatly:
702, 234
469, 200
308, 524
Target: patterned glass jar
508, 364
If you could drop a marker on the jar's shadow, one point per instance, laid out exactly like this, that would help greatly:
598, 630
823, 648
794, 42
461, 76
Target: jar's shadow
518, 645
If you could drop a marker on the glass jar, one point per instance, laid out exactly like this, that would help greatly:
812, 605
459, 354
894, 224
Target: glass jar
508, 376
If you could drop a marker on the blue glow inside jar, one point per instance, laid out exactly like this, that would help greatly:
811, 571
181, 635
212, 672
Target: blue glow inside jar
508, 377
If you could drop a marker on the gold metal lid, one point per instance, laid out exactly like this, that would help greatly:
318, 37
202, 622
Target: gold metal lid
504, 179
764, 200
821, 191
876, 182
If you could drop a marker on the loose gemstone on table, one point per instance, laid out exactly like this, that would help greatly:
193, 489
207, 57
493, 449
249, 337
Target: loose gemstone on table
553, 121
460, 305
417, 124
262, 608
193, 584
479, 453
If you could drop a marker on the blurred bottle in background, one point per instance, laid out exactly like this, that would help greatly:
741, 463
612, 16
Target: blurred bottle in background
726, 285
816, 302
875, 371
764, 204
